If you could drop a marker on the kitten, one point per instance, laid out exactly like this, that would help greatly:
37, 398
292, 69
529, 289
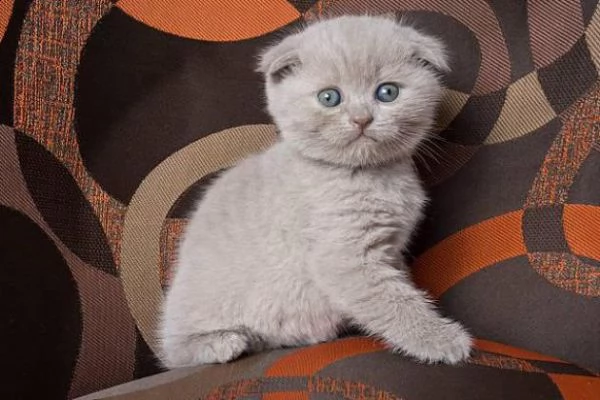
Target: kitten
292, 243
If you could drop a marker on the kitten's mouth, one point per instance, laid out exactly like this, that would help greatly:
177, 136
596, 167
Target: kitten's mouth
362, 136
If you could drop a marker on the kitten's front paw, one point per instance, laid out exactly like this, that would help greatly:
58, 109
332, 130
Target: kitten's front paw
448, 342
210, 348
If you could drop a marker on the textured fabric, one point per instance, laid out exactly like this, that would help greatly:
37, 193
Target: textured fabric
115, 115
356, 369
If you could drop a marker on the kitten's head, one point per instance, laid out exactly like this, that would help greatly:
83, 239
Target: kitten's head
355, 90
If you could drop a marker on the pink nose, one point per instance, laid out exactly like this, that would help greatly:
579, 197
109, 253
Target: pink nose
362, 121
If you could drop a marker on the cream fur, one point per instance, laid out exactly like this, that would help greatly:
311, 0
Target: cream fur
291, 244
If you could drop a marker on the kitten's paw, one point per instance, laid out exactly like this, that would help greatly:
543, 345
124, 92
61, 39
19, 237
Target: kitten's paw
449, 343
207, 348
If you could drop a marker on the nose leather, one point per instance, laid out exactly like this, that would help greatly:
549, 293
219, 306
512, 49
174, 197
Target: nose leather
362, 121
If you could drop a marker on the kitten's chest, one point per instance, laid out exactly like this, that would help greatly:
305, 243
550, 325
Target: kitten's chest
391, 197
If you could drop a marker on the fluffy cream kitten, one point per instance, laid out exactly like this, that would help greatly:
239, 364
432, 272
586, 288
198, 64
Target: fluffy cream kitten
292, 243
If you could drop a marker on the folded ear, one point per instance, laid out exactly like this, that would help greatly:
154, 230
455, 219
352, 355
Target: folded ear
429, 50
280, 60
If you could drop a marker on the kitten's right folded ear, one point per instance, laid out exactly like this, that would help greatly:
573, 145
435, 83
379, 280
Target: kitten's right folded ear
280, 60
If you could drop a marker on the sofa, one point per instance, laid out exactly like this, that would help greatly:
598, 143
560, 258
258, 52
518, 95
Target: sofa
116, 115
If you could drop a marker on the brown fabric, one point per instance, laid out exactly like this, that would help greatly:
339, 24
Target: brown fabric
356, 369
115, 115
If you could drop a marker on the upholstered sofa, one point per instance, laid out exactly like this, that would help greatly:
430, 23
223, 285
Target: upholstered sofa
114, 115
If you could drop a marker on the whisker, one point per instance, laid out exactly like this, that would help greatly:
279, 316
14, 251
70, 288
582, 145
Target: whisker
422, 160
437, 137
432, 142
428, 156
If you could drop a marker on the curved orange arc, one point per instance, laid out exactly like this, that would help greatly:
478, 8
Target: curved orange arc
212, 20
582, 229
515, 352
574, 387
6, 8
470, 250
309, 360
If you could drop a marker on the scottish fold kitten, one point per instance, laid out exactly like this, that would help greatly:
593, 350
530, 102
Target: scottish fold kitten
291, 244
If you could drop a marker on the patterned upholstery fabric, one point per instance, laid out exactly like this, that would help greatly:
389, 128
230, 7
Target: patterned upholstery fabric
114, 115
358, 369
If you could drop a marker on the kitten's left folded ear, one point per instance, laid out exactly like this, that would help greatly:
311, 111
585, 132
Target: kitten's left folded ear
429, 50
280, 60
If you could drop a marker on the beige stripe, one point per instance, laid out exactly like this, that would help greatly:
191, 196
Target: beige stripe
149, 206
592, 37
452, 103
525, 109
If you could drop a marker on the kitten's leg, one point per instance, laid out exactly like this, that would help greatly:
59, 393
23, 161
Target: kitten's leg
208, 348
384, 301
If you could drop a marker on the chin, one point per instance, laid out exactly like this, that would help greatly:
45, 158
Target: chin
368, 157
371, 153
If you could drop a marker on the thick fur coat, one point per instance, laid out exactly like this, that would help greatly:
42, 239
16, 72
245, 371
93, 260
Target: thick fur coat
293, 243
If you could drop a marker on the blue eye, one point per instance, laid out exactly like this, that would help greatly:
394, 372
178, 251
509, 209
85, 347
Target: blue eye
387, 92
329, 97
